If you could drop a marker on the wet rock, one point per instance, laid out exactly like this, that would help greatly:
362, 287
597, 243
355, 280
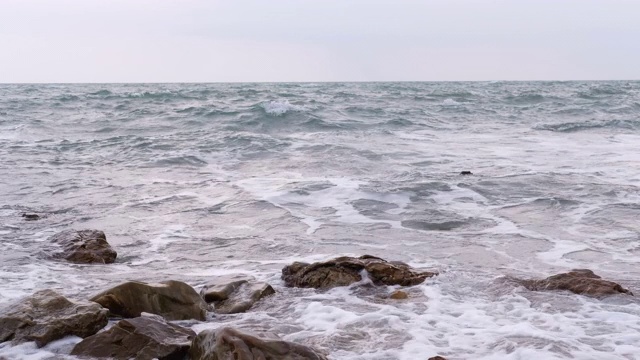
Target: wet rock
235, 293
345, 270
31, 217
399, 295
84, 246
145, 337
437, 358
579, 281
222, 286
228, 343
173, 300
47, 316
466, 172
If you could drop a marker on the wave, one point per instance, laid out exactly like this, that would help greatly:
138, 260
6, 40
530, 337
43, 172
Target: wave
187, 160
524, 99
601, 91
568, 127
280, 107
103, 92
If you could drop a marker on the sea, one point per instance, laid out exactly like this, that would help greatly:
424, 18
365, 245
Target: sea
193, 181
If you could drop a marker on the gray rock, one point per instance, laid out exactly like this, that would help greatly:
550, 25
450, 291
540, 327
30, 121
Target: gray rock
84, 246
345, 270
146, 337
173, 300
227, 343
47, 316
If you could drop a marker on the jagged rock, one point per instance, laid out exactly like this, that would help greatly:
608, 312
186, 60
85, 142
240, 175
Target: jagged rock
47, 316
235, 293
31, 217
84, 246
173, 300
227, 343
579, 281
399, 295
145, 337
345, 270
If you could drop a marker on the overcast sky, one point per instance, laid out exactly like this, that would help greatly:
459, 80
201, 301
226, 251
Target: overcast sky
317, 40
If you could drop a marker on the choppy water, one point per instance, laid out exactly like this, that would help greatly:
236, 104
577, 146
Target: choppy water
190, 181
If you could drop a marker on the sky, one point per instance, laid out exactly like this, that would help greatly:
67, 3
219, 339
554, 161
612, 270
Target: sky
70, 41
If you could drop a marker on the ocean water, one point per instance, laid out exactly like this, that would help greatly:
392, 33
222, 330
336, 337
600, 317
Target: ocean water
190, 181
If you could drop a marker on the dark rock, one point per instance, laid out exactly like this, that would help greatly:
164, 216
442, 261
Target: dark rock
437, 358
227, 343
84, 246
173, 300
47, 316
235, 293
579, 281
31, 217
466, 172
345, 270
146, 337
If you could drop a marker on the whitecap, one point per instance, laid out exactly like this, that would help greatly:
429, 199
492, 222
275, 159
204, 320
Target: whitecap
280, 107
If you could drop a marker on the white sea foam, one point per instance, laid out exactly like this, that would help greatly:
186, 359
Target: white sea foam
280, 107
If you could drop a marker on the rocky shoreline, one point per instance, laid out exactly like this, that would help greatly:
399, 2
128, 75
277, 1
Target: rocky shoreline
146, 311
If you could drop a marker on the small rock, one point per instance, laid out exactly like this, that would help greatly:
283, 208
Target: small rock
145, 337
84, 246
47, 316
235, 293
345, 270
244, 298
222, 286
228, 343
399, 295
31, 217
579, 281
437, 358
173, 300
466, 172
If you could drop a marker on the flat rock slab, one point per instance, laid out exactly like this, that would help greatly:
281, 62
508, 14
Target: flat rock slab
47, 316
227, 343
579, 281
236, 293
173, 300
344, 271
84, 246
145, 337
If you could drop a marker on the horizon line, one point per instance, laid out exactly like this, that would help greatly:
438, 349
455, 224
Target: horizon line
301, 82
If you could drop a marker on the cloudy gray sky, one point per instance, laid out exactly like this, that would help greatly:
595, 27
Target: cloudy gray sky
317, 40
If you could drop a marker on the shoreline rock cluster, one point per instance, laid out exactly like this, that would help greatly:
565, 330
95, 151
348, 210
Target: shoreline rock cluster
146, 310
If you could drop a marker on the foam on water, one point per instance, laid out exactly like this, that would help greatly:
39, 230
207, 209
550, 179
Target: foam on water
280, 107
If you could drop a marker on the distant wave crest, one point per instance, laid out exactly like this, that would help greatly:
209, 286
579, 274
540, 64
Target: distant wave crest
590, 125
280, 107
